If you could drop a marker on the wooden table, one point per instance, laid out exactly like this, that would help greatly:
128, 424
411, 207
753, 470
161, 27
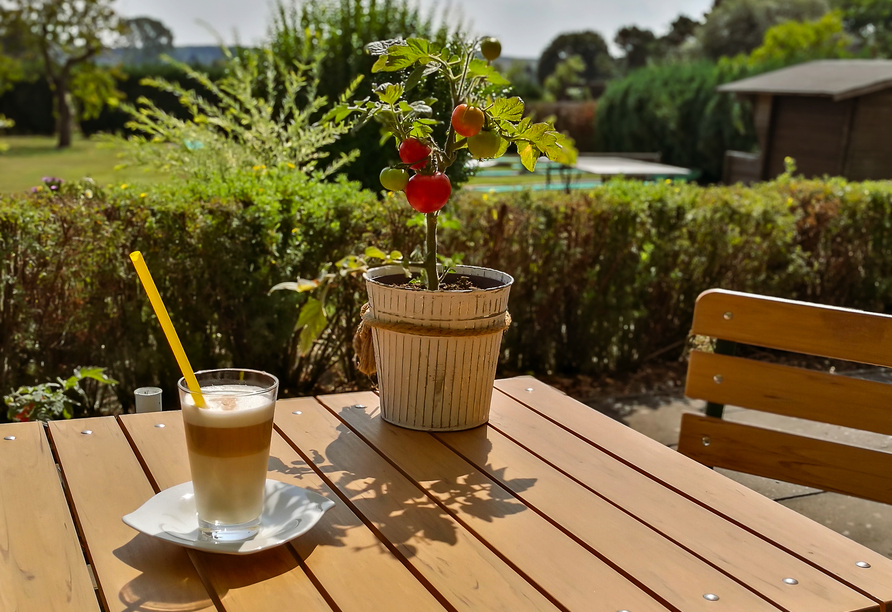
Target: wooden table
552, 506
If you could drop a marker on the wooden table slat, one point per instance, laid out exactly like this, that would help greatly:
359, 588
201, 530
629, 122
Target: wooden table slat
556, 562
757, 563
467, 574
42, 566
551, 506
106, 482
353, 567
272, 579
808, 540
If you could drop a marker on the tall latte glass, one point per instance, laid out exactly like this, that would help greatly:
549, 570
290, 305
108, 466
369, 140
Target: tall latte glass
228, 442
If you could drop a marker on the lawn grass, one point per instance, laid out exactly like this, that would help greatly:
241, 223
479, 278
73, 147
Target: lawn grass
30, 158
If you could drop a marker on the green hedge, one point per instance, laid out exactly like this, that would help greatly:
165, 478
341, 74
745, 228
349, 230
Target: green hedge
674, 109
70, 297
605, 279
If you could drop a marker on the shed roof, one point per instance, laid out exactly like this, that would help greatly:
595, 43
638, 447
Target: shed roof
838, 79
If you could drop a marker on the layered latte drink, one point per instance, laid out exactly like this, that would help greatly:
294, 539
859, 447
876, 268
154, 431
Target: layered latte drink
228, 442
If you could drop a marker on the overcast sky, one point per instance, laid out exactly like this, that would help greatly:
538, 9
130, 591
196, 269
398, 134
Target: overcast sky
525, 27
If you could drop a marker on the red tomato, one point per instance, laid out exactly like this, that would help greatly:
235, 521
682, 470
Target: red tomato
467, 120
428, 192
413, 150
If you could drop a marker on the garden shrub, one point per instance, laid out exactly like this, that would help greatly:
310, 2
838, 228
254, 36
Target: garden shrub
337, 31
69, 295
674, 109
606, 279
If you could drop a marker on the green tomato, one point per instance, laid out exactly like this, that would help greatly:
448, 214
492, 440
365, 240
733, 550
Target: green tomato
491, 48
485, 144
394, 179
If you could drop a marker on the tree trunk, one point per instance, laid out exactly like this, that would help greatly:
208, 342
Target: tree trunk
64, 116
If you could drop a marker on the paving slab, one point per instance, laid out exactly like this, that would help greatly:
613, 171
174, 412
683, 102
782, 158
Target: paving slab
867, 522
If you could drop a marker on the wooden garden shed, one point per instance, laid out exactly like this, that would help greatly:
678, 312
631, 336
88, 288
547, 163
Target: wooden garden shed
832, 116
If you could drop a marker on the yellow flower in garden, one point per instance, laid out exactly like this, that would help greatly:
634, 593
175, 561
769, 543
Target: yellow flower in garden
290, 165
123, 185
142, 195
485, 197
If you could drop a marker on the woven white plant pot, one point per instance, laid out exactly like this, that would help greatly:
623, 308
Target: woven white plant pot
439, 382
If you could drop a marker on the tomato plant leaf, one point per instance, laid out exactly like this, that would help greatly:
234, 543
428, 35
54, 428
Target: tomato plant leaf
421, 108
483, 69
528, 155
380, 47
375, 252
502, 148
389, 93
300, 286
396, 58
415, 77
561, 153
420, 130
419, 45
509, 109
311, 322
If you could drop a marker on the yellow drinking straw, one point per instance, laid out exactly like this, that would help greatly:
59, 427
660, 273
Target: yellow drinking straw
163, 318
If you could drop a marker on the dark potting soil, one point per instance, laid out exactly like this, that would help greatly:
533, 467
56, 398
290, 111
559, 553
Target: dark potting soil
452, 282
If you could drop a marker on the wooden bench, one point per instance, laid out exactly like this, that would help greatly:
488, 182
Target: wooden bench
722, 378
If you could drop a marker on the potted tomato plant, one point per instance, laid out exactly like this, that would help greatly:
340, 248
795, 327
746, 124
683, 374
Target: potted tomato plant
436, 334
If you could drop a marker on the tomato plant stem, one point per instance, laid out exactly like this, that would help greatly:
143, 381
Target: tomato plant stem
430, 255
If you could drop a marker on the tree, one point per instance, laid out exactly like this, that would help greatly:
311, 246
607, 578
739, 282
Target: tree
637, 46
10, 72
64, 35
680, 32
566, 82
144, 39
739, 26
523, 80
870, 21
797, 41
588, 45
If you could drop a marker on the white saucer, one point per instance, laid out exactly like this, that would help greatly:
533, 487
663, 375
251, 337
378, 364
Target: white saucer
288, 512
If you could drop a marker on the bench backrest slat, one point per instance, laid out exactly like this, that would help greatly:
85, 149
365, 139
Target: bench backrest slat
808, 329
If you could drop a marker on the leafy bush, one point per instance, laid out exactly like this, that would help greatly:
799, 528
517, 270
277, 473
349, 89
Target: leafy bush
605, 279
263, 115
54, 400
69, 294
674, 109
338, 30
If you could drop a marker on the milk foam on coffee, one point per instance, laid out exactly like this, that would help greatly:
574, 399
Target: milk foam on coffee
228, 444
